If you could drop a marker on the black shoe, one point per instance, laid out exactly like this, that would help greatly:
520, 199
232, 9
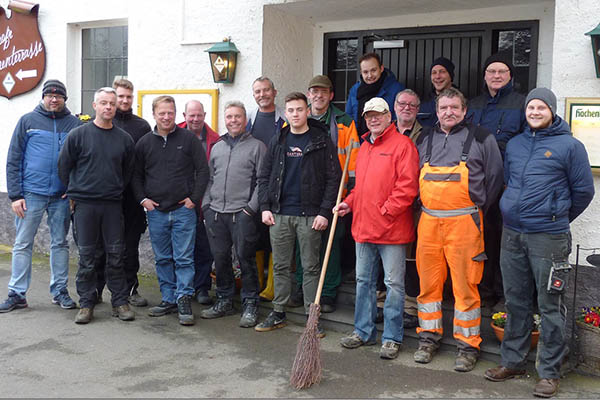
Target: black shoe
410, 321
296, 299
221, 308
327, 304
136, 300
250, 314
184, 310
163, 308
203, 297
274, 321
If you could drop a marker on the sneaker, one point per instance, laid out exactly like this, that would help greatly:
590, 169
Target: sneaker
465, 361
203, 297
184, 310
353, 341
13, 302
389, 350
221, 308
327, 304
424, 354
84, 315
163, 308
410, 321
275, 320
136, 300
250, 314
64, 301
546, 388
123, 312
296, 299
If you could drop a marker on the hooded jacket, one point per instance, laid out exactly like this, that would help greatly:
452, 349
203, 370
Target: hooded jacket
320, 173
32, 161
548, 180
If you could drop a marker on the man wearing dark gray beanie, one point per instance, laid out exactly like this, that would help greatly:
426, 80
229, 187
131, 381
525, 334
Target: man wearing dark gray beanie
442, 75
499, 109
548, 184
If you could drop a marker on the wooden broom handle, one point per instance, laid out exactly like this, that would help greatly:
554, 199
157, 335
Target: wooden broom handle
333, 225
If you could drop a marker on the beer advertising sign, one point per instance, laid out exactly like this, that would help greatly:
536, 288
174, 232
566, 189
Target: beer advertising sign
583, 116
22, 51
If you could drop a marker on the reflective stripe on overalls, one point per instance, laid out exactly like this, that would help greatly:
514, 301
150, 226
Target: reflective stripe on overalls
450, 236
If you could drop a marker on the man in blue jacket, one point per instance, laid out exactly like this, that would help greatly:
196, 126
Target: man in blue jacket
548, 184
34, 189
375, 81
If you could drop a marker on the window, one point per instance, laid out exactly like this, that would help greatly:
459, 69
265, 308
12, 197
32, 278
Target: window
104, 56
344, 74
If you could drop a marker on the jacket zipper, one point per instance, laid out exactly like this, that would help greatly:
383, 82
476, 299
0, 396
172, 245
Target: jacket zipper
523, 172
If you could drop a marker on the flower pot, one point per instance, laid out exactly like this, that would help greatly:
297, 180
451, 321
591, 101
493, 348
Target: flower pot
535, 335
589, 345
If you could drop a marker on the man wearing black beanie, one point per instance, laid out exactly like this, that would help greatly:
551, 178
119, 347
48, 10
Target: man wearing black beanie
442, 76
499, 109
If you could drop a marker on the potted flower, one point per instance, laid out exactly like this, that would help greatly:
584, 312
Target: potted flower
588, 323
499, 320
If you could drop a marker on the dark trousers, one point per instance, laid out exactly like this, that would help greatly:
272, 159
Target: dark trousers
240, 231
526, 260
490, 287
94, 222
203, 258
135, 225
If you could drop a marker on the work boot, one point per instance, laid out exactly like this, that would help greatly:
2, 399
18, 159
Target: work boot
13, 302
184, 310
546, 388
203, 297
424, 354
275, 320
500, 373
327, 304
123, 312
64, 300
84, 315
221, 308
250, 314
466, 360
136, 300
163, 308
353, 341
389, 350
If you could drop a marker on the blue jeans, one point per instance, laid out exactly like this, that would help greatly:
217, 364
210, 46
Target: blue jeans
525, 261
26, 229
173, 235
367, 271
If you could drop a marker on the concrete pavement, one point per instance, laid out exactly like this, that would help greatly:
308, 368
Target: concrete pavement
43, 353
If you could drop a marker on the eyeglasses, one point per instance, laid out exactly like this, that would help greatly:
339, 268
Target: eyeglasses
55, 96
374, 116
497, 71
403, 105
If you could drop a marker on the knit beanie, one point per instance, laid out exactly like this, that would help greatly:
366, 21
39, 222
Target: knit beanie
54, 86
444, 62
544, 95
502, 57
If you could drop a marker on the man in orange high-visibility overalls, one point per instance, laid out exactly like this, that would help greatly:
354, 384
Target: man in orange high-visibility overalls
461, 174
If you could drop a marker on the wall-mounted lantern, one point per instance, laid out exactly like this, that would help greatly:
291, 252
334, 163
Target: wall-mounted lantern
223, 61
595, 35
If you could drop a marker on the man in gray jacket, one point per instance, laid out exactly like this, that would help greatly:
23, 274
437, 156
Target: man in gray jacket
229, 206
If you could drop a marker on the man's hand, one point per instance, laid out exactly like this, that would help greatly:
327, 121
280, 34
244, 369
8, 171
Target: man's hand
342, 209
320, 223
19, 207
149, 204
187, 203
267, 218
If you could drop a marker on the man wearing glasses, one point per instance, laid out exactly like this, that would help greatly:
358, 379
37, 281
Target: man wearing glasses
499, 109
34, 189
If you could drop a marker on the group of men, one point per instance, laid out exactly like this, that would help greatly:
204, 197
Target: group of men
439, 166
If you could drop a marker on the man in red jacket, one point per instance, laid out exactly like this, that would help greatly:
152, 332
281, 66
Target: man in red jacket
194, 115
387, 169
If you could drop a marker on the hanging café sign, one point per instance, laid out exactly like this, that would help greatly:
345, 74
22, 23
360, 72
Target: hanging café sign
22, 51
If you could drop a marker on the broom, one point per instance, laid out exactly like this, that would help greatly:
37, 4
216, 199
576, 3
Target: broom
306, 369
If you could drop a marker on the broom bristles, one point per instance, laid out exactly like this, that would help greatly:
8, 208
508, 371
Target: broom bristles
306, 370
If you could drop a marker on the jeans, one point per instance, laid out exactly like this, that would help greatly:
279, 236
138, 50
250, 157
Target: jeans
99, 222
173, 234
284, 233
367, 271
240, 231
526, 260
26, 229
203, 258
